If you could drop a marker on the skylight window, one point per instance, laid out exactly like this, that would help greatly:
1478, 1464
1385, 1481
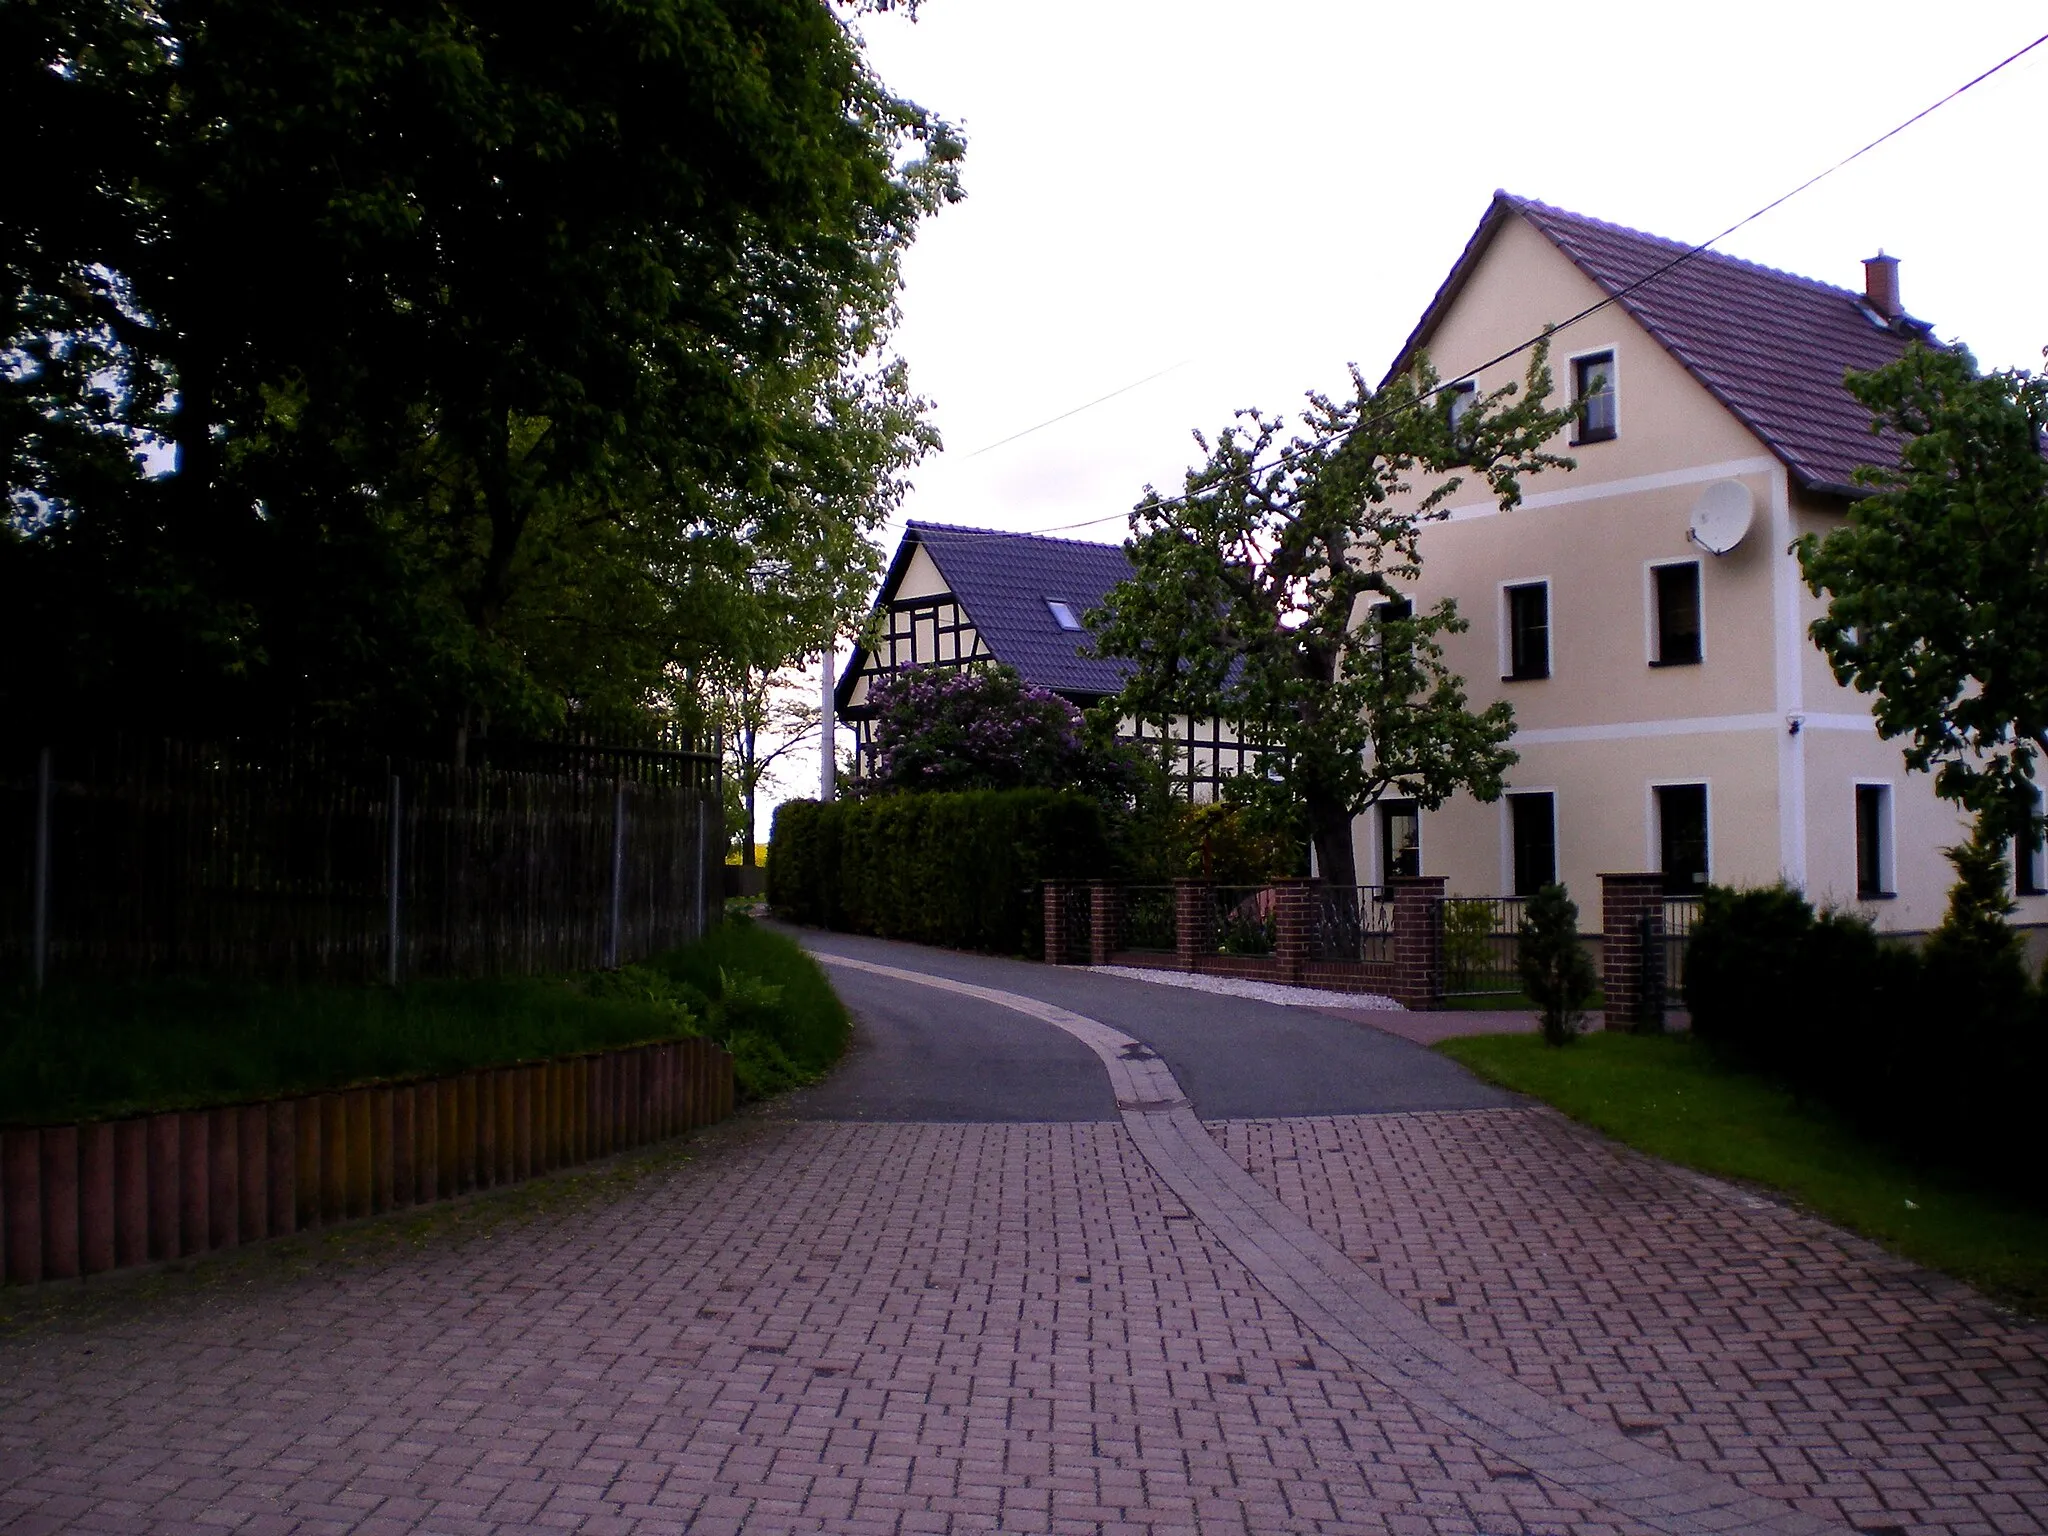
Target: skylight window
1062, 614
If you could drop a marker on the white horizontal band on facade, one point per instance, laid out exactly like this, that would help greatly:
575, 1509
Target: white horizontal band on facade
1700, 725
1634, 485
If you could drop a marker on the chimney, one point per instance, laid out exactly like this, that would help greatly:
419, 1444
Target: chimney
1881, 285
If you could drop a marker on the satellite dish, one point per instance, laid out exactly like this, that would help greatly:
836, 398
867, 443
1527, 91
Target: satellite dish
1721, 516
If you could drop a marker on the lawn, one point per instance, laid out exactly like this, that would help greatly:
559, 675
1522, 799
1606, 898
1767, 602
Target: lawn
93, 1050
1666, 1095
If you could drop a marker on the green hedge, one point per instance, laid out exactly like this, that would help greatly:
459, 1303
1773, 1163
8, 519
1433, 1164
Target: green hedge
958, 870
1939, 1049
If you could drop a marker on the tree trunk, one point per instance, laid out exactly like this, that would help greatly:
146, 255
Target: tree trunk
1330, 831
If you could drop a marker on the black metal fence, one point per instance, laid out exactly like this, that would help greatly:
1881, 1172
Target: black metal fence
1078, 916
1247, 919
1665, 937
1148, 918
1482, 944
301, 862
1353, 923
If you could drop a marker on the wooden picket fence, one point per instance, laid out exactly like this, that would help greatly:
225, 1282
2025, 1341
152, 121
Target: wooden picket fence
80, 1200
298, 861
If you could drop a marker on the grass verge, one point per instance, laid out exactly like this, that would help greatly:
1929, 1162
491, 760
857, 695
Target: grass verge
91, 1050
1667, 1095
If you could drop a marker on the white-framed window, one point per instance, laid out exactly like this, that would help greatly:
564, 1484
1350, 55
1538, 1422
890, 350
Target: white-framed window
1874, 867
1676, 615
1595, 397
2027, 860
1525, 630
1462, 396
1400, 829
1532, 839
1681, 835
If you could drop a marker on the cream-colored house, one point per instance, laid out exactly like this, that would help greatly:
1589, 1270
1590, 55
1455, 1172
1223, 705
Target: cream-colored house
1673, 715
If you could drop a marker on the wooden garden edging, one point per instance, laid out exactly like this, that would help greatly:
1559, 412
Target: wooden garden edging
84, 1199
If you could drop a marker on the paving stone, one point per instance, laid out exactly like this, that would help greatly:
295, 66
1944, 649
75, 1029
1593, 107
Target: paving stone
857, 1327
1725, 1329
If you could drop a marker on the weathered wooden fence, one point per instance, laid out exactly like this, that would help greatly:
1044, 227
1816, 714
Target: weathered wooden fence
300, 862
110, 1194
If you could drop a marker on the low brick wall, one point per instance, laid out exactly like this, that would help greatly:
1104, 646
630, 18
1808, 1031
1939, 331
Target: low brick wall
83, 1199
1330, 975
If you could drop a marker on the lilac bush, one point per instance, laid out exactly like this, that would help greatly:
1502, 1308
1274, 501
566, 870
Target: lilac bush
982, 727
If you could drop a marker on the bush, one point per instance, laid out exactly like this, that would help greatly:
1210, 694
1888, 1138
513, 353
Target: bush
1556, 972
962, 870
1937, 1049
765, 1000
942, 729
1229, 842
1468, 941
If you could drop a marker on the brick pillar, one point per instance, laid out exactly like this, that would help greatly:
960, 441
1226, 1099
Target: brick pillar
1194, 922
1057, 894
1623, 901
1105, 919
1418, 939
1295, 924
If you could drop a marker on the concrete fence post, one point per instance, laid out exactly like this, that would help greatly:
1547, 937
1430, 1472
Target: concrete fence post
1194, 923
1625, 900
1418, 939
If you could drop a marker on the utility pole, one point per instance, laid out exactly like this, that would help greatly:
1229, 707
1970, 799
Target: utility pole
825, 730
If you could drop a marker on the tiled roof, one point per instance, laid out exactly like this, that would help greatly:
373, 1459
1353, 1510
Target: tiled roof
1770, 346
1003, 581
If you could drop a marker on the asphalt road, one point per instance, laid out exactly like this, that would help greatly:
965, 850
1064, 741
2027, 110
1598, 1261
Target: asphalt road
924, 1055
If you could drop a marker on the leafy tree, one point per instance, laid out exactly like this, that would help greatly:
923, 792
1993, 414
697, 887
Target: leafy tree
1973, 937
424, 368
1229, 841
762, 722
1268, 592
1556, 972
1937, 585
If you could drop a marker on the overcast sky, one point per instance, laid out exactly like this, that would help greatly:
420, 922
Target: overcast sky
1242, 199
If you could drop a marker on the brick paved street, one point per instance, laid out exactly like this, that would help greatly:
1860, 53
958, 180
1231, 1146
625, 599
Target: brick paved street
1718, 1326
831, 1325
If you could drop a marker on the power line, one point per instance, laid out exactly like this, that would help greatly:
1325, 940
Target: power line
1077, 410
1452, 380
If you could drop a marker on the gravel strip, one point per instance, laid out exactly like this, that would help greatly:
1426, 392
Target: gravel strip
1261, 991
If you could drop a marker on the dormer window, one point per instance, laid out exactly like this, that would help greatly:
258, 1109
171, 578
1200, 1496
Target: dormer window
1593, 397
1063, 614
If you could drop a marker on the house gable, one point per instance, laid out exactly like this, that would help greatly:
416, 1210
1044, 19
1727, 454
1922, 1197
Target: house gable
921, 577
958, 594
1769, 346
1511, 283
